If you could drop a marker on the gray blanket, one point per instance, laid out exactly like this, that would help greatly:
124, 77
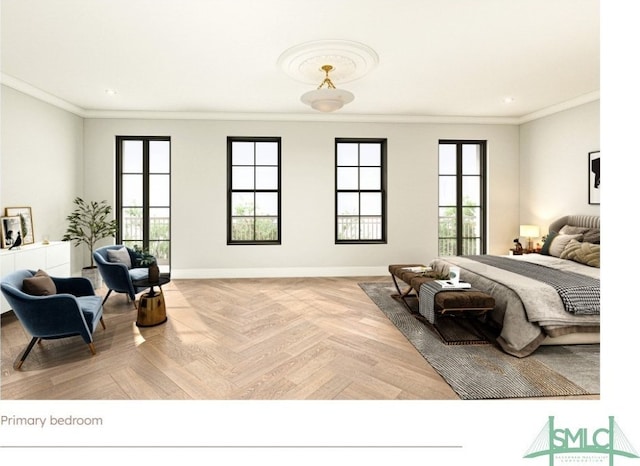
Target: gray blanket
526, 309
579, 293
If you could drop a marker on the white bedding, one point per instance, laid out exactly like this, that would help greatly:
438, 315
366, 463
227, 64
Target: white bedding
527, 310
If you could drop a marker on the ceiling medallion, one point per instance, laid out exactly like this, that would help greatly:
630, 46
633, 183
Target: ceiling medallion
311, 61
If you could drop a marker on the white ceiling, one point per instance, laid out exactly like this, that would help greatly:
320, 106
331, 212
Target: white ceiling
437, 58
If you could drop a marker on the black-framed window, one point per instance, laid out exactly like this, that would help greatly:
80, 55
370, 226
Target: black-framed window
253, 190
143, 194
462, 197
361, 190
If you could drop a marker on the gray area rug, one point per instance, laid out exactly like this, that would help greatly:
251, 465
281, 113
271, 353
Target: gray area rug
484, 371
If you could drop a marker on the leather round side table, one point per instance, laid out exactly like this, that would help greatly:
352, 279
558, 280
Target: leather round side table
152, 310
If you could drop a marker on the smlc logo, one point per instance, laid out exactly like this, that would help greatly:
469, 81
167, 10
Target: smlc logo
581, 445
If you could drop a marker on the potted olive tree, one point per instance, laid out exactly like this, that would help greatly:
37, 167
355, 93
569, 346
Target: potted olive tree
88, 223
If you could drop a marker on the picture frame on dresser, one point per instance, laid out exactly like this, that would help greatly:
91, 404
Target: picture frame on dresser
26, 221
594, 177
10, 230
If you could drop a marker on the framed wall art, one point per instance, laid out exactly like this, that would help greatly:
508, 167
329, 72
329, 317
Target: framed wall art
594, 177
11, 231
26, 222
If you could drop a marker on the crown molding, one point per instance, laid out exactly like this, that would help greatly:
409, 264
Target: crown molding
581, 100
39, 94
44, 96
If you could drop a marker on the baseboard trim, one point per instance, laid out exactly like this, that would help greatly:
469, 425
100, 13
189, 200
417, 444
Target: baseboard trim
280, 272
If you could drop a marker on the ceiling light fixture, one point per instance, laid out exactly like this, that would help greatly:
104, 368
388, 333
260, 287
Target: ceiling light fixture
327, 99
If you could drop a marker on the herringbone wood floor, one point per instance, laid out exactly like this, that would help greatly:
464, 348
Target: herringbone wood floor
285, 339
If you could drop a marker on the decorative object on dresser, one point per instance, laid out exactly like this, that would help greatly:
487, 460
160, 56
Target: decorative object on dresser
89, 223
26, 222
10, 231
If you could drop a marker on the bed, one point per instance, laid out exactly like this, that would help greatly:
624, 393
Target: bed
546, 298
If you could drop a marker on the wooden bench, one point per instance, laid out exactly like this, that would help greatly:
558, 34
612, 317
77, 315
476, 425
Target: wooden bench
469, 302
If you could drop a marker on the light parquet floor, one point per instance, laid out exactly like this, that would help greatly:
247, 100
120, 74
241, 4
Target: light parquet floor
231, 339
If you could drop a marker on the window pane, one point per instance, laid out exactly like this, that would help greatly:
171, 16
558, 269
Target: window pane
242, 204
159, 226
132, 156
447, 224
370, 228
447, 159
471, 226
266, 229
347, 154
159, 157
266, 177
447, 246
266, 204
370, 204
266, 153
370, 155
348, 204
348, 228
471, 190
347, 178
159, 191
242, 229
131, 228
447, 190
470, 159
242, 178
370, 178
242, 153
470, 246
160, 250
132, 190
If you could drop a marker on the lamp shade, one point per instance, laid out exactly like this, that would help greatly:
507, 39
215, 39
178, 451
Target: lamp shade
529, 231
327, 100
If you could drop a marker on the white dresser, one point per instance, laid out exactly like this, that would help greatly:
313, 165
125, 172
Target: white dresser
54, 258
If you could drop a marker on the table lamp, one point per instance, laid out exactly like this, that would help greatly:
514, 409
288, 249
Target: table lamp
529, 232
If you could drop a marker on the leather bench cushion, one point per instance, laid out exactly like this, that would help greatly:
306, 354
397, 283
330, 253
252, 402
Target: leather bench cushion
400, 271
467, 299
470, 299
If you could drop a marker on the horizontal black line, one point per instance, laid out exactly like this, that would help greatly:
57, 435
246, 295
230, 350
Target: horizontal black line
396, 447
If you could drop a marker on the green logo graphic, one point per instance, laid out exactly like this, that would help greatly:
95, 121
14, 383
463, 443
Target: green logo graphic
581, 445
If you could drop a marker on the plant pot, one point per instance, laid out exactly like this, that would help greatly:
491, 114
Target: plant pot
154, 273
93, 274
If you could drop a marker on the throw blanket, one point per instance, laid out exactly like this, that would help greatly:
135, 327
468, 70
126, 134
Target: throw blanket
426, 300
580, 294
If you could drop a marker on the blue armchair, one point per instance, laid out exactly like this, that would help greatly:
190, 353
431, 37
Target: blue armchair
119, 276
74, 309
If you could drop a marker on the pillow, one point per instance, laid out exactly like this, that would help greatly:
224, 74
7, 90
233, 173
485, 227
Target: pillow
582, 252
41, 284
547, 243
571, 230
559, 242
120, 255
591, 236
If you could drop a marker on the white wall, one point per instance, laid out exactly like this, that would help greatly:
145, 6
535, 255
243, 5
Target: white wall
537, 172
554, 164
199, 173
41, 163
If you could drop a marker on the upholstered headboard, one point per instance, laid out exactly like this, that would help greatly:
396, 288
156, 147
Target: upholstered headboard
588, 221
